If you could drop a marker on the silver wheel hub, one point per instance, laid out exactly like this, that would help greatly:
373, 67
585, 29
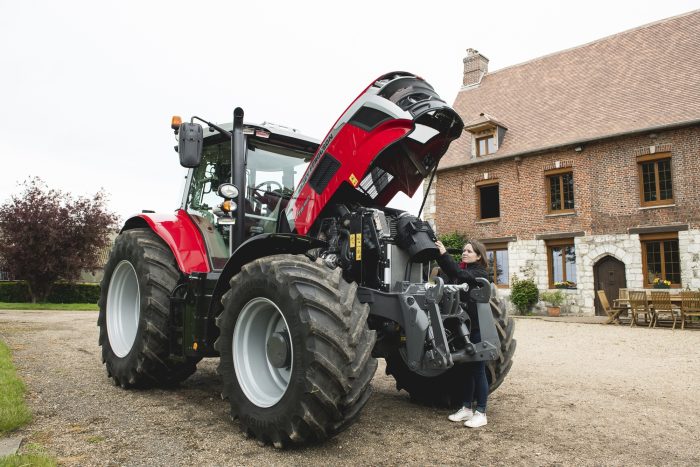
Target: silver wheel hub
262, 352
123, 308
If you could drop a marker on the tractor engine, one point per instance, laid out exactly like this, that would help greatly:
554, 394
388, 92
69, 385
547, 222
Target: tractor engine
378, 248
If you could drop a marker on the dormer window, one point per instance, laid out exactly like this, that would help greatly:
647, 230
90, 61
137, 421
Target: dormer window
485, 145
487, 135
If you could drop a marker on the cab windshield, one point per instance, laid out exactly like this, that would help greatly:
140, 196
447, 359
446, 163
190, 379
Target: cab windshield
272, 173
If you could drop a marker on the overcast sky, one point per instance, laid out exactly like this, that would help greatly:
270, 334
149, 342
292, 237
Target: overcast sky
87, 88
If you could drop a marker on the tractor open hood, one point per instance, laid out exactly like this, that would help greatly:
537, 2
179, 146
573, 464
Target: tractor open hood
388, 140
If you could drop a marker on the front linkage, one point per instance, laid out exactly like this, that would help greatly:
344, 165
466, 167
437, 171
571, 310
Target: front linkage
435, 325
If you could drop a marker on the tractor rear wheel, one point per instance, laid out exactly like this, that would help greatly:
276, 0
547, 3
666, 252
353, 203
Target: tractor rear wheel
295, 350
446, 388
139, 277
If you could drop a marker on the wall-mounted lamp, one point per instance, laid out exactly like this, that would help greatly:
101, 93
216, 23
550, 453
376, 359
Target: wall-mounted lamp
578, 149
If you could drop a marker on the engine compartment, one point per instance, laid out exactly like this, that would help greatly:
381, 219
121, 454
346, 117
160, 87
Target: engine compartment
377, 248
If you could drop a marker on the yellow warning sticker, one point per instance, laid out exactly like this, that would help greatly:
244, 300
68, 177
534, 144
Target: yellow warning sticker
352, 240
353, 180
358, 247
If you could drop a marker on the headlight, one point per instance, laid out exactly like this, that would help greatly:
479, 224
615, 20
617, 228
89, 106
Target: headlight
227, 190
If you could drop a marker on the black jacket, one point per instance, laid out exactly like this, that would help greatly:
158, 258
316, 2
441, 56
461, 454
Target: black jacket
460, 276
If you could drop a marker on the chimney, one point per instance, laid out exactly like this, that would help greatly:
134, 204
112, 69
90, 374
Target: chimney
475, 67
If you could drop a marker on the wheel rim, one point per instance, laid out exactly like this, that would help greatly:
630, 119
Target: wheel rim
123, 309
261, 382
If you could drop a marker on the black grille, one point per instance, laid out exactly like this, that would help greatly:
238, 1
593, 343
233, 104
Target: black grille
368, 118
328, 166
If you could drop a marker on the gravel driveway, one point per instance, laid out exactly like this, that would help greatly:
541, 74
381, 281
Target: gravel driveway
577, 394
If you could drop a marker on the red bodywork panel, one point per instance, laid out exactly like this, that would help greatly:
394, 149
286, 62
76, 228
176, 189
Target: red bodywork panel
356, 160
184, 239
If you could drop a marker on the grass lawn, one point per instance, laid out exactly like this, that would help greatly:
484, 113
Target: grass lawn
49, 306
23, 460
14, 413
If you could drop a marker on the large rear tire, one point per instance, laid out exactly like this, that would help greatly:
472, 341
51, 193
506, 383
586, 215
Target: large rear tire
497, 370
295, 350
446, 389
139, 277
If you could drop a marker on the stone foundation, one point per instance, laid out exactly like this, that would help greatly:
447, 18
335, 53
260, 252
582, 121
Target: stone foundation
528, 258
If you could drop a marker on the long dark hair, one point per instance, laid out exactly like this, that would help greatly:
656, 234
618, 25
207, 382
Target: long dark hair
480, 250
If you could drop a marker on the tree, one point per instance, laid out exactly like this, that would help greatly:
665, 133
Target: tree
47, 235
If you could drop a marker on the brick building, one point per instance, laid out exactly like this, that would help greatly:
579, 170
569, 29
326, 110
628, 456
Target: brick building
582, 165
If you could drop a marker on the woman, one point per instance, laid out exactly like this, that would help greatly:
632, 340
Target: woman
473, 265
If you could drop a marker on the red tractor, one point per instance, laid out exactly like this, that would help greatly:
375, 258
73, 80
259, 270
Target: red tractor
284, 261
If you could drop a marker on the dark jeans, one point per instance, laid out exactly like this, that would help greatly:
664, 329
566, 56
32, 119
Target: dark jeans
476, 386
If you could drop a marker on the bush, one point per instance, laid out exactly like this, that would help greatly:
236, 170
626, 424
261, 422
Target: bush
454, 241
523, 294
555, 298
61, 292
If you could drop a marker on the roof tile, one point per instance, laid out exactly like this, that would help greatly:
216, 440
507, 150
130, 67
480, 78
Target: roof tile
643, 78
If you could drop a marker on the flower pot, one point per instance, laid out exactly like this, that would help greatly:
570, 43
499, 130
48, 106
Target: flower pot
553, 311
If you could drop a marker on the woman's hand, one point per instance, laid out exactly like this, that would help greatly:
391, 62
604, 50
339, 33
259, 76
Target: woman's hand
441, 247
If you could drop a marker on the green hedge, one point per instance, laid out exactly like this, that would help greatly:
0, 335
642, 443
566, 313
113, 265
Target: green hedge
61, 292
14, 292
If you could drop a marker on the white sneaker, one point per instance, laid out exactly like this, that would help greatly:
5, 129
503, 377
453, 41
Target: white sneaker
479, 419
462, 414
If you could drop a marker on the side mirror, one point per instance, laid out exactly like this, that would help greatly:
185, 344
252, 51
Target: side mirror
191, 137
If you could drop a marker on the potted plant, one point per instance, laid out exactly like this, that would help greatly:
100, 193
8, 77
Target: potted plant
661, 283
554, 301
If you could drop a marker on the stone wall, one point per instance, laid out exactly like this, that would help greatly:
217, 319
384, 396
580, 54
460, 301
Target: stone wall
528, 258
689, 246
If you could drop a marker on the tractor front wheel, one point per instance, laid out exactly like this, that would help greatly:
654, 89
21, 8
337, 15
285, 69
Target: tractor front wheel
295, 350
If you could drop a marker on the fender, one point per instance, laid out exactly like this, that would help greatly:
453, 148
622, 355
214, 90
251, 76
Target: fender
257, 247
180, 234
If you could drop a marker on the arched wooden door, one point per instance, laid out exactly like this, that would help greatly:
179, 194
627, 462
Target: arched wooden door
608, 275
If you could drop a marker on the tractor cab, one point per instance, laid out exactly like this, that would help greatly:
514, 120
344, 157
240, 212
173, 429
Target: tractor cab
275, 159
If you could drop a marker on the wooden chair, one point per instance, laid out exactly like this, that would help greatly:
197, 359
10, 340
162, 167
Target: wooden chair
639, 306
613, 313
690, 305
623, 299
661, 304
